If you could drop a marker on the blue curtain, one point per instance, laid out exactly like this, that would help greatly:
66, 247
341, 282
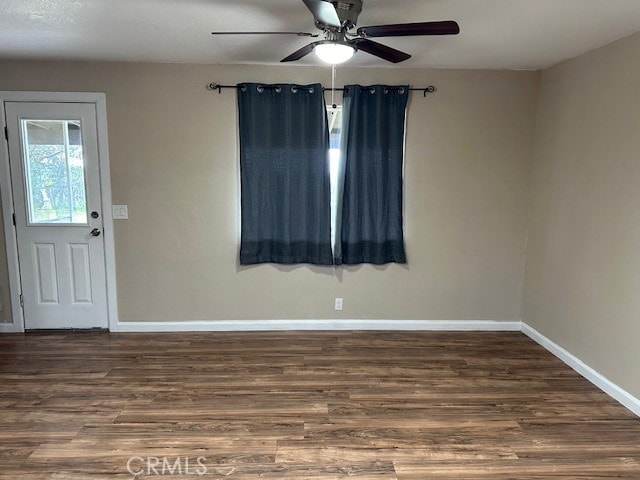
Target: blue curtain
373, 155
284, 172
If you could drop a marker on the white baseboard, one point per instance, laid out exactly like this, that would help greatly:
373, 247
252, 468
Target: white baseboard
325, 324
9, 328
599, 380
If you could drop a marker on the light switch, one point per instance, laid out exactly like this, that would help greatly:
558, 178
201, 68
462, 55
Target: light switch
120, 212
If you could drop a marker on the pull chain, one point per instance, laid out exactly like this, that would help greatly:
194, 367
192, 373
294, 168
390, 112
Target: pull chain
333, 85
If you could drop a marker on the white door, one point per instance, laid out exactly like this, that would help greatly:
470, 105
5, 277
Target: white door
53, 153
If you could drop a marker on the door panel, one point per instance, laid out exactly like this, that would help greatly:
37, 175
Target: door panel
80, 273
44, 260
53, 154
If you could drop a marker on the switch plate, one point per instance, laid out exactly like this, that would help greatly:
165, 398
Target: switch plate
120, 212
338, 303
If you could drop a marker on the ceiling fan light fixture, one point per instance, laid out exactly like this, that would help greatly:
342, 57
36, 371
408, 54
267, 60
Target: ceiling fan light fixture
334, 52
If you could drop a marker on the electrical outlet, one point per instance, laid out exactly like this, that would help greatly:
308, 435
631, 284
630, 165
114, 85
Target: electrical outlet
338, 303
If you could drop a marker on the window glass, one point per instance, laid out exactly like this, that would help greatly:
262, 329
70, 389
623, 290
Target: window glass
334, 117
54, 171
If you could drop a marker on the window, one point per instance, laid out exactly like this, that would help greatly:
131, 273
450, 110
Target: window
334, 117
296, 203
54, 172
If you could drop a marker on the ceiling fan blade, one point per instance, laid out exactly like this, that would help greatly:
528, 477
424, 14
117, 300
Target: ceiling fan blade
298, 54
300, 34
448, 27
324, 12
387, 53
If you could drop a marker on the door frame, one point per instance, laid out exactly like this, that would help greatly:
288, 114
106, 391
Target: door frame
6, 192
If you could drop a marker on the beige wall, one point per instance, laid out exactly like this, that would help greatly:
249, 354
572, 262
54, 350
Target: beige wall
174, 162
583, 260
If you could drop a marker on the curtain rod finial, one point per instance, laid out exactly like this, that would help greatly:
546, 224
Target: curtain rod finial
214, 86
429, 89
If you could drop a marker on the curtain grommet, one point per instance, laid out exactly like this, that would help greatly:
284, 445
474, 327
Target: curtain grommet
260, 89
278, 89
294, 89
386, 90
243, 88
401, 90
311, 90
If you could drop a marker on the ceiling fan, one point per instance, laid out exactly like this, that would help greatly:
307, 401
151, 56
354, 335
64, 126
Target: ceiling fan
337, 19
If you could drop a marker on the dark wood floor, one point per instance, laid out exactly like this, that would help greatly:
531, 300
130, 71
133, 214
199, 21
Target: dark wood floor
305, 406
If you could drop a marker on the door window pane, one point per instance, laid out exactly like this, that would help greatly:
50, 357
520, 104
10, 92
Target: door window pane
54, 171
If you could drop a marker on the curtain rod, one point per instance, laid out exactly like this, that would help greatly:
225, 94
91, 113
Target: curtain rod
428, 89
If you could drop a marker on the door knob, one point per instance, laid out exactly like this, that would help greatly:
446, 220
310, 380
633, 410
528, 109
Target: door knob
95, 232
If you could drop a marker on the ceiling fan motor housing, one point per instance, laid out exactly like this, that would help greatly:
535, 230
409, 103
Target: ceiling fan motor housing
348, 12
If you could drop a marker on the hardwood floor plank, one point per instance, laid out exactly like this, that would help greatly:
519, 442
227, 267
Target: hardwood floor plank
251, 429
325, 452
602, 467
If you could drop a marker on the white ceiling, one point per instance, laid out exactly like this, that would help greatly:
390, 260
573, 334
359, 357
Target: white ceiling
503, 34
